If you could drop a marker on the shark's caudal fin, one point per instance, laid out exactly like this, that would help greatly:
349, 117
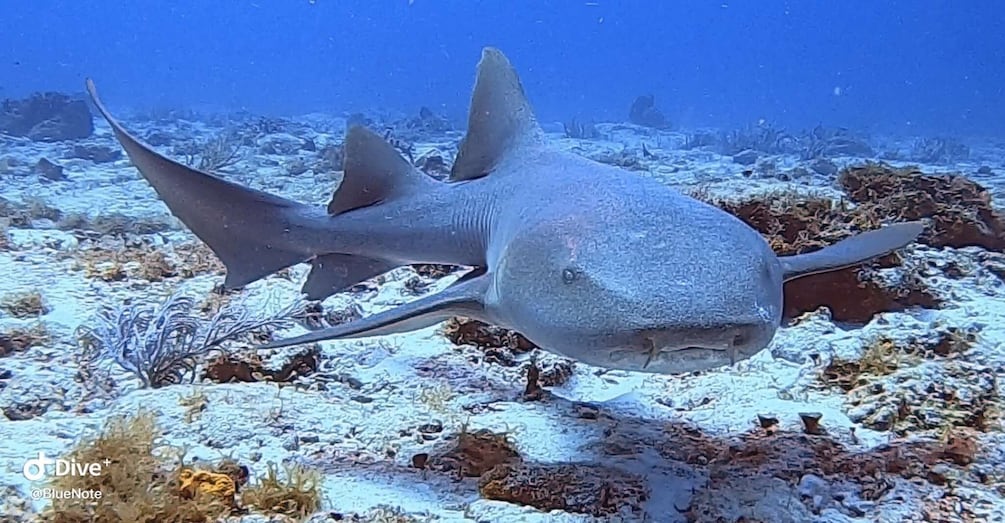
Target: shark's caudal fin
500, 119
851, 251
240, 224
255, 233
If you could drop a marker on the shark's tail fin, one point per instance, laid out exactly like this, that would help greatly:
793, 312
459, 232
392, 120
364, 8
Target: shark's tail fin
246, 228
255, 233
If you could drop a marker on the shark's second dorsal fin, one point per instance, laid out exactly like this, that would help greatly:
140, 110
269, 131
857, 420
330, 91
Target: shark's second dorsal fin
374, 171
500, 119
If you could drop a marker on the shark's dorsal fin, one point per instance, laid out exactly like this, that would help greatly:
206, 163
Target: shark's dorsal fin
500, 119
374, 171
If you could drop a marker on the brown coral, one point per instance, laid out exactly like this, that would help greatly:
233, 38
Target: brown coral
193, 484
475, 453
580, 488
147, 262
24, 304
227, 368
135, 485
855, 294
498, 345
465, 331
960, 209
791, 455
795, 224
139, 483
916, 385
17, 340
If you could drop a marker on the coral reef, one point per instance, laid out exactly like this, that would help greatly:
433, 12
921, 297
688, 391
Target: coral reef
917, 385
46, 117
580, 130
960, 209
163, 345
145, 481
226, 368
136, 487
297, 496
892, 420
768, 460
18, 340
110, 262
474, 454
581, 488
29, 304
464, 331
941, 150
117, 225
794, 224
645, 113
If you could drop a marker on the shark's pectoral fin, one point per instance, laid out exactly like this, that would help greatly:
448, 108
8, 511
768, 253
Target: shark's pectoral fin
851, 251
374, 171
463, 298
500, 119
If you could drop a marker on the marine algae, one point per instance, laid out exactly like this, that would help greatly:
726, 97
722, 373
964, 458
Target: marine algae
22, 305
147, 481
297, 497
137, 486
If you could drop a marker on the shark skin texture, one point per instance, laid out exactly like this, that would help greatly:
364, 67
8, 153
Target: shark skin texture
584, 259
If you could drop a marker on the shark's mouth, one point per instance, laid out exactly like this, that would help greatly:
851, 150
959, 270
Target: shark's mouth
654, 352
673, 360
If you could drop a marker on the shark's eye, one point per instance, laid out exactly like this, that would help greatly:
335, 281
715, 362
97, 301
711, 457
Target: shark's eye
569, 275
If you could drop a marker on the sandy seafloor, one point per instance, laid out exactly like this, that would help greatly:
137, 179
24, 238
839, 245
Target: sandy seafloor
613, 419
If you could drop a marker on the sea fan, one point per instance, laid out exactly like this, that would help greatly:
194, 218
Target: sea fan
163, 345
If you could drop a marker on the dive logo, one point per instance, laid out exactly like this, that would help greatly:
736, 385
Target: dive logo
38, 468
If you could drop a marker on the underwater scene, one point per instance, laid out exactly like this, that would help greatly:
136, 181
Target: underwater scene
502, 261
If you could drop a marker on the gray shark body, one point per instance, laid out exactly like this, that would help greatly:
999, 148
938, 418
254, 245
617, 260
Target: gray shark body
584, 259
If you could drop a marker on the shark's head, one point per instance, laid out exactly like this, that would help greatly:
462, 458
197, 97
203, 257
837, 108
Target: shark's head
616, 287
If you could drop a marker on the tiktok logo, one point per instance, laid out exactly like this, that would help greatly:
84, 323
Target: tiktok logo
34, 469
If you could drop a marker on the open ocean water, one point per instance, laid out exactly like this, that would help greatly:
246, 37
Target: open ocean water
556, 296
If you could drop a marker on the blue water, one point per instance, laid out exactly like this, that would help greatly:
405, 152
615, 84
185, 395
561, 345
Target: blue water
918, 67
